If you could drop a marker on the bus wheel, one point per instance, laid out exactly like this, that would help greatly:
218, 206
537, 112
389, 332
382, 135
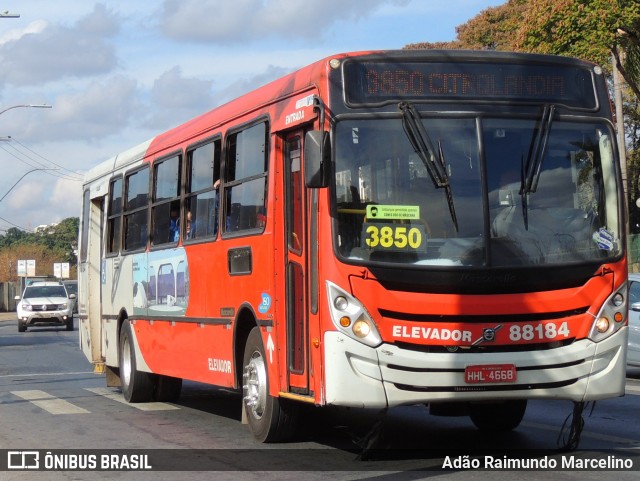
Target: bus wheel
270, 419
166, 388
136, 385
499, 416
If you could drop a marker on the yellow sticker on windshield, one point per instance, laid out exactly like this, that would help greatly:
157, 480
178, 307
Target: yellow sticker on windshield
393, 211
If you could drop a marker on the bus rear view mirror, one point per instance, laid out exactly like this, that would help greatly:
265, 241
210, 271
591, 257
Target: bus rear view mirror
316, 155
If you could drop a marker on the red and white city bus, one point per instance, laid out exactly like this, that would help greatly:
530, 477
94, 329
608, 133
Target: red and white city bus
376, 229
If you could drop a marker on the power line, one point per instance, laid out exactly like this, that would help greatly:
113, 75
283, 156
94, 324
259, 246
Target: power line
15, 225
27, 159
47, 160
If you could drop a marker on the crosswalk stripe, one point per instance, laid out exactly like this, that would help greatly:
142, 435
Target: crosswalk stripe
115, 396
49, 403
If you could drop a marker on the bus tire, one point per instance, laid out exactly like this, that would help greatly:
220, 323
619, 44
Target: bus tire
499, 416
136, 385
270, 419
167, 388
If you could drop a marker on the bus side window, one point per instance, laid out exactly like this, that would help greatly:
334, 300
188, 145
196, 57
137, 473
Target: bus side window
247, 173
136, 209
165, 210
202, 190
114, 219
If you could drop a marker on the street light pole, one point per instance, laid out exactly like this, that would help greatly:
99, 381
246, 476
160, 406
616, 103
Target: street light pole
17, 181
27, 106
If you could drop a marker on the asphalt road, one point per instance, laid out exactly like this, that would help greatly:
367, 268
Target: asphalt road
50, 400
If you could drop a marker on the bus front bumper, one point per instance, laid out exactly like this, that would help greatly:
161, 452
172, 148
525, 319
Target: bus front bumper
360, 376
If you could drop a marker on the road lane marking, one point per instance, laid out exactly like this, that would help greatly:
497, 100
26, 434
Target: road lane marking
115, 396
46, 374
49, 403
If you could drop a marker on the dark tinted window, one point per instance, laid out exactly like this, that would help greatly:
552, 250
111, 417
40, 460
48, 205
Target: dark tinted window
246, 180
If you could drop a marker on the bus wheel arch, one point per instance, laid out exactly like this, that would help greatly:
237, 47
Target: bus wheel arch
244, 323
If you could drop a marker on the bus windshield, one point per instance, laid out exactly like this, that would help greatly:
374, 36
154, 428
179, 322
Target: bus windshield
491, 206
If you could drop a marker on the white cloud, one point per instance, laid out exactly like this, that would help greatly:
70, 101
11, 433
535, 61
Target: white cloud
26, 195
45, 52
246, 21
172, 90
35, 27
103, 109
43, 193
242, 86
175, 99
64, 199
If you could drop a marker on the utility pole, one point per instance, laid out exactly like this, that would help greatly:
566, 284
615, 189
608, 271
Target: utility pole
617, 100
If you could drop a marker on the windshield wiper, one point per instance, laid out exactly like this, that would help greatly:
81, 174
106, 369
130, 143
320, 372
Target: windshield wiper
433, 160
530, 170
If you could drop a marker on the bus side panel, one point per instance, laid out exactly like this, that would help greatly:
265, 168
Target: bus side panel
187, 350
200, 345
117, 298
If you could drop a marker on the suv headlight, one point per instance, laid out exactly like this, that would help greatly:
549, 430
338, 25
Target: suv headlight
611, 317
350, 316
27, 307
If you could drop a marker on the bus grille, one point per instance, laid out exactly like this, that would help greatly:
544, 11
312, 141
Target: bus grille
505, 387
476, 319
484, 348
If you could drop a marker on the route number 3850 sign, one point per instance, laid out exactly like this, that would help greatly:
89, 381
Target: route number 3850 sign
394, 237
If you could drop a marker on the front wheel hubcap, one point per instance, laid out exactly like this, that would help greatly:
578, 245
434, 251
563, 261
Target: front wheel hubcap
255, 385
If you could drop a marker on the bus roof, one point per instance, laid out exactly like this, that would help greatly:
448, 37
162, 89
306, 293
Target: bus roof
291, 84
118, 161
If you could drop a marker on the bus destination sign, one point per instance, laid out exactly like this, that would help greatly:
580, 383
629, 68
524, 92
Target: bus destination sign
379, 82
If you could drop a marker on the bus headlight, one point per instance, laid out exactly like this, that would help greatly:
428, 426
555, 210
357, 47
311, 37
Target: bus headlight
612, 316
351, 318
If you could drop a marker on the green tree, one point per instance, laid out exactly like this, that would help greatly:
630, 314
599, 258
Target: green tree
12, 236
494, 28
592, 30
57, 244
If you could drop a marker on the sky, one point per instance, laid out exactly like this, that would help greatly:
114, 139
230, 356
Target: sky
118, 72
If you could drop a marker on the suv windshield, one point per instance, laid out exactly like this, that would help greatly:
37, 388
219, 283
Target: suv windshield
44, 291
494, 203
72, 287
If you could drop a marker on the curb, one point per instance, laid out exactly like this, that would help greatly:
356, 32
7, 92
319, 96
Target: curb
8, 316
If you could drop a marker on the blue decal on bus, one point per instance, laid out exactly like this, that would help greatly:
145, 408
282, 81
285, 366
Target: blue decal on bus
265, 305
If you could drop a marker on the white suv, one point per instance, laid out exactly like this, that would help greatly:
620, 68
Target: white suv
45, 303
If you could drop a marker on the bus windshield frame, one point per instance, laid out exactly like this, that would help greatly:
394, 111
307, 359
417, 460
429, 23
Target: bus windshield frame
388, 211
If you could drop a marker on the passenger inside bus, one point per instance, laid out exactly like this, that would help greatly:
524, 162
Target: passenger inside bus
190, 226
174, 224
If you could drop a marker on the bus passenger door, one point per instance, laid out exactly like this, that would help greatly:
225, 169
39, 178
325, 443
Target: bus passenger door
89, 279
296, 266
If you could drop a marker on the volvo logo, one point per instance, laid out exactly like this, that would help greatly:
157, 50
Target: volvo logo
488, 335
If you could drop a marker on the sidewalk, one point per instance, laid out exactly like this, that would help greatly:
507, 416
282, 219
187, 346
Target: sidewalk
8, 316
